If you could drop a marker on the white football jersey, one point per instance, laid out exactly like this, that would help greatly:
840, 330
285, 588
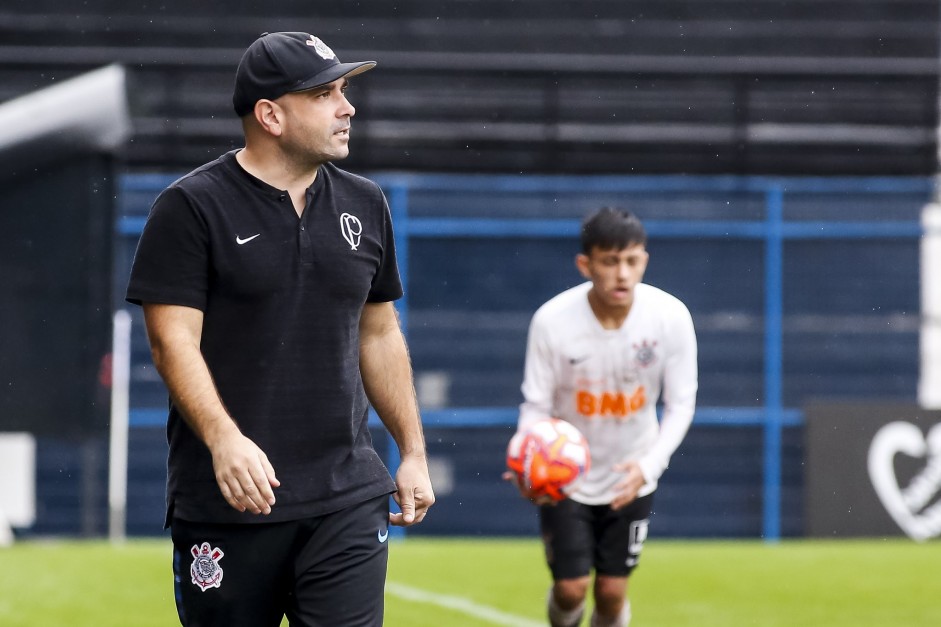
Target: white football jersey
608, 382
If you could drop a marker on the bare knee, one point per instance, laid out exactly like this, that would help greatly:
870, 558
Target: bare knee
570, 593
610, 593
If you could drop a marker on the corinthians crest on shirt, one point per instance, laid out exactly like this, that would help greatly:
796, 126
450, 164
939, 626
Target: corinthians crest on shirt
205, 570
645, 353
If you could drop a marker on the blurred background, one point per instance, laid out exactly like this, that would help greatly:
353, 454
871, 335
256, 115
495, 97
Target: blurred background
782, 155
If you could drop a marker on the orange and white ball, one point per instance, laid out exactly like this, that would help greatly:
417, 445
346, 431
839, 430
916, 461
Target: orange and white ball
548, 458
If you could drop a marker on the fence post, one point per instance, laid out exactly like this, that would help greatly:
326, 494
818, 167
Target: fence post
929, 383
117, 454
774, 252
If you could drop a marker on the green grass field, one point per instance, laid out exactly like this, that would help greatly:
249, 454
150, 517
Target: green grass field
486, 582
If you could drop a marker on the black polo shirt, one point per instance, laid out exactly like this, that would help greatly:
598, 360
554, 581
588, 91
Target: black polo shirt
282, 298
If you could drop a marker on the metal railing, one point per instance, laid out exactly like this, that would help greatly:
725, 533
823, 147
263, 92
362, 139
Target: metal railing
771, 229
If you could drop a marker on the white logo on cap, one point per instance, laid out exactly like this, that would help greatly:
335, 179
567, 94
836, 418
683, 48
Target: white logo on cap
322, 49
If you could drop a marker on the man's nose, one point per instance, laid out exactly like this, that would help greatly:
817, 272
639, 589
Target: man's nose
347, 108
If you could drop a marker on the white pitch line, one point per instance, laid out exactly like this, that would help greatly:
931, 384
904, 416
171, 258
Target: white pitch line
460, 604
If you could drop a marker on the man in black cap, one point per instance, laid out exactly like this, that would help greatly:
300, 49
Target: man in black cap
267, 278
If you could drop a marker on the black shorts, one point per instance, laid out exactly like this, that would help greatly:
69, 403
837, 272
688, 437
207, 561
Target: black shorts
324, 571
580, 537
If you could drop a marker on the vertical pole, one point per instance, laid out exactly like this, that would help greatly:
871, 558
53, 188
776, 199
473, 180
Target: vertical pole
929, 376
117, 454
773, 366
929, 381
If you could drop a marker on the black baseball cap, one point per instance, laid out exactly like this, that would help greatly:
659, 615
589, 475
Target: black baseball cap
278, 63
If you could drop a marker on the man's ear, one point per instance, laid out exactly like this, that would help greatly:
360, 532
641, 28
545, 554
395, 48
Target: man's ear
581, 262
269, 116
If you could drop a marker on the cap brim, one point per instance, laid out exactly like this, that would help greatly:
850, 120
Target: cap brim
336, 72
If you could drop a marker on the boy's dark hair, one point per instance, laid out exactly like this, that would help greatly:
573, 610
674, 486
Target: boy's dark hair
612, 228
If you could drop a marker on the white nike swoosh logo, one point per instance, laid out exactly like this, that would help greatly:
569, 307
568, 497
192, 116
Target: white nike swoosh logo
383, 536
240, 241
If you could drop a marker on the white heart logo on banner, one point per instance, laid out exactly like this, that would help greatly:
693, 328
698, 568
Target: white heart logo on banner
908, 506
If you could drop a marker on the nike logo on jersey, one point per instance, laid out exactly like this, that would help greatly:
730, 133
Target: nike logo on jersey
577, 360
383, 536
240, 241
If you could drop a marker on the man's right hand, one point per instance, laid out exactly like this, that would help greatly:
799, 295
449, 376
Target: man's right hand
244, 474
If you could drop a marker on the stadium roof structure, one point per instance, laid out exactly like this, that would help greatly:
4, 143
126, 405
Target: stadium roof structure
87, 113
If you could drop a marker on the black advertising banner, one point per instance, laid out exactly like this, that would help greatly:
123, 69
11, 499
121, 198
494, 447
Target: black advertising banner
872, 469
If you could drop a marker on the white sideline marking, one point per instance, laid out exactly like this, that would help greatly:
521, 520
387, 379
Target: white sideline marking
460, 604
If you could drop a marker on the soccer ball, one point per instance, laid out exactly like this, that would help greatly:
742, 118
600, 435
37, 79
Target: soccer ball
548, 458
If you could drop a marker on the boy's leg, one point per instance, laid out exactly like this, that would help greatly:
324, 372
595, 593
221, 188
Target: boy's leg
569, 543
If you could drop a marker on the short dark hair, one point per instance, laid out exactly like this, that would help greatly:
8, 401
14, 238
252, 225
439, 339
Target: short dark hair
612, 228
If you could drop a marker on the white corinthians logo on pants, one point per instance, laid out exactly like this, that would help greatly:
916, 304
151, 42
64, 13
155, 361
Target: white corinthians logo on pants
911, 506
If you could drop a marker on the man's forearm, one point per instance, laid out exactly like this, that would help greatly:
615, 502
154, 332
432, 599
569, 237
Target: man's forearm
176, 355
387, 378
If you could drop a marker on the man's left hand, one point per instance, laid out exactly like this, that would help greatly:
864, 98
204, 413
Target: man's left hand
414, 495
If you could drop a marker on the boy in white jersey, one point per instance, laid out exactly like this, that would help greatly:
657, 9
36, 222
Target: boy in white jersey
600, 355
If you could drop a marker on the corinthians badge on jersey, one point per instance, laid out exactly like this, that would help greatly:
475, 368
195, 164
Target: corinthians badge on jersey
644, 353
351, 228
205, 571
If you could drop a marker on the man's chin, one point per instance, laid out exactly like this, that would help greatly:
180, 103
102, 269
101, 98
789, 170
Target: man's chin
618, 300
336, 155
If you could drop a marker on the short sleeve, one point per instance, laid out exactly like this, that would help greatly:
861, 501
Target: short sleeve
172, 259
387, 284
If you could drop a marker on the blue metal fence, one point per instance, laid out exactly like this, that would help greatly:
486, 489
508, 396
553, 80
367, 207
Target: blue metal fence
442, 207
